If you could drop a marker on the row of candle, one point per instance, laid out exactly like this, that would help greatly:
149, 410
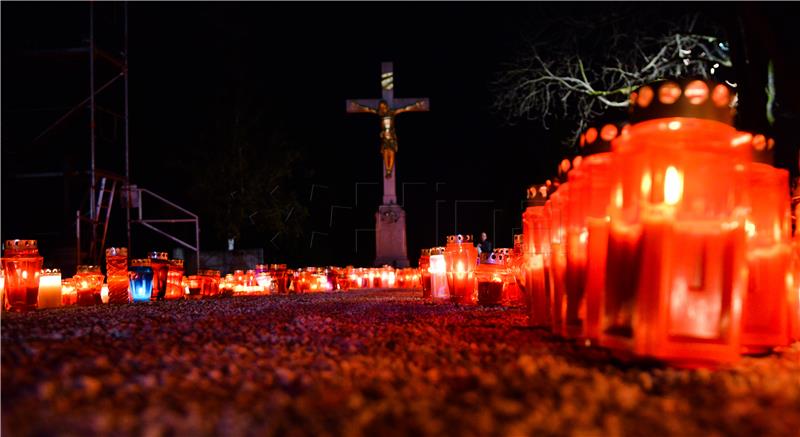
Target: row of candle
456, 273
672, 243
159, 278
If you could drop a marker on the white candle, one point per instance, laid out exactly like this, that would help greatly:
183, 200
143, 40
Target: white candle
104, 293
50, 289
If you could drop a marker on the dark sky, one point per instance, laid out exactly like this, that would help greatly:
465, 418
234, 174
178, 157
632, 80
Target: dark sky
300, 61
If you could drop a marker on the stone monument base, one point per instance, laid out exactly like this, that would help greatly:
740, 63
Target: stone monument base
390, 236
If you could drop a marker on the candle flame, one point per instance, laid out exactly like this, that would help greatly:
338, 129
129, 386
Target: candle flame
460, 267
647, 184
24, 274
750, 228
674, 125
673, 186
618, 196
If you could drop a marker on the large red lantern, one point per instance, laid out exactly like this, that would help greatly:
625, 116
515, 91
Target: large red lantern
676, 266
461, 257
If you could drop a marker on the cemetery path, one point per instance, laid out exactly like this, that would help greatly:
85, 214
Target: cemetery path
375, 362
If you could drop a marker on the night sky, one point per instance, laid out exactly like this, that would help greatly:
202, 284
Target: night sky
296, 64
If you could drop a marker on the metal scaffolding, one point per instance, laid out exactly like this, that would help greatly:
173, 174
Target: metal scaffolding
104, 185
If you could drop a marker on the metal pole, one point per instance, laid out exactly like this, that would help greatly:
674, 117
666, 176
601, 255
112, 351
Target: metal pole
127, 134
91, 116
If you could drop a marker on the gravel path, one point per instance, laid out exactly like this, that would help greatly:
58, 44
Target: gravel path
368, 363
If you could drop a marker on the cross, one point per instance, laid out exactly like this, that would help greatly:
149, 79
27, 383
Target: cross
394, 106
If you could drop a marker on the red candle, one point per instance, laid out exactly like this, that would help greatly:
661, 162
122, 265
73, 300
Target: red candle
558, 259
535, 248
676, 267
461, 257
765, 310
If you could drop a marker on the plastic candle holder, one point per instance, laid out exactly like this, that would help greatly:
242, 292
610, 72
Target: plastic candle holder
117, 271
22, 266
141, 280
676, 268
461, 256
50, 288
175, 280
438, 271
765, 310
159, 262
89, 285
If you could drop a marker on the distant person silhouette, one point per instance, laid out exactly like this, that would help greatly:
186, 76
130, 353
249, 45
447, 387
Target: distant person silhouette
484, 247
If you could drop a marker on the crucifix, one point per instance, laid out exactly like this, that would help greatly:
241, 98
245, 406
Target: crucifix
387, 108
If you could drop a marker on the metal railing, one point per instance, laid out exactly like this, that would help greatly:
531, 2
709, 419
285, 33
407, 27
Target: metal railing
151, 223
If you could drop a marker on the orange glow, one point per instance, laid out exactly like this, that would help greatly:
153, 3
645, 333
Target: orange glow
759, 142
583, 140
721, 96
591, 135
577, 162
673, 186
564, 167
697, 92
608, 132
669, 93
741, 139
674, 125
645, 96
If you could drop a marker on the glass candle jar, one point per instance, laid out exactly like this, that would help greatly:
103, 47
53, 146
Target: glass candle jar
676, 267
210, 286
50, 288
424, 264
438, 271
117, 271
22, 266
462, 257
175, 280
89, 284
159, 262
765, 310
278, 273
69, 293
490, 283
536, 249
141, 280
195, 284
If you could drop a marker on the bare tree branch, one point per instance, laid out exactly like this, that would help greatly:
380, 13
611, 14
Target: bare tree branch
577, 78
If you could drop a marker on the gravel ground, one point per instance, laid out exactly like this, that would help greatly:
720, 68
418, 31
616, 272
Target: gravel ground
359, 364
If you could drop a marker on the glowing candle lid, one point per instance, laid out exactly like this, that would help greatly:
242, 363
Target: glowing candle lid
117, 251
176, 262
140, 262
460, 238
761, 146
536, 195
498, 256
437, 250
686, 97
20, 244
597, 137
161, 256
208, 272
88, 268
51, 272
425, 252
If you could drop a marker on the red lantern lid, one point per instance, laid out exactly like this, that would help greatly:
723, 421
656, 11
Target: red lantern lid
536, 195
598, 136
458, 239
761, 146
686, 97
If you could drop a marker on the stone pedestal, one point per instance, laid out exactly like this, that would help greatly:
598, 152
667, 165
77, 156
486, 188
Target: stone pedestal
390, 236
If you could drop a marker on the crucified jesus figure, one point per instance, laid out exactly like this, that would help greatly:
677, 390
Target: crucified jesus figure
388, 134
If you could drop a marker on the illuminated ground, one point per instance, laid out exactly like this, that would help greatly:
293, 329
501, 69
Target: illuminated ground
362, 363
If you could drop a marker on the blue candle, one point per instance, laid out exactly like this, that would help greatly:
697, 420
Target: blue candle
141, 277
